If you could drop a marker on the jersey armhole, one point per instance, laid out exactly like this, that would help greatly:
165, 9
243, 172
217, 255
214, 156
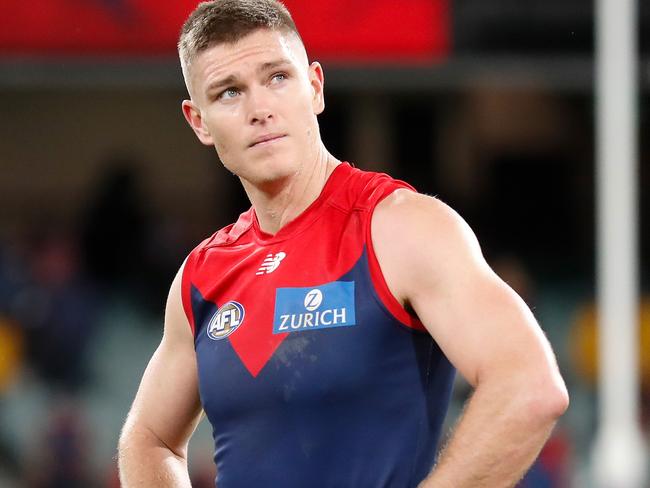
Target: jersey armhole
186, 289
384, 294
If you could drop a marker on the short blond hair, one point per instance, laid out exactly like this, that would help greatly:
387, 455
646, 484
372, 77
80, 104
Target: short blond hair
228, 21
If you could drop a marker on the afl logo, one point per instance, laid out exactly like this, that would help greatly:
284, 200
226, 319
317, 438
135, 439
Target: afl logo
225, 321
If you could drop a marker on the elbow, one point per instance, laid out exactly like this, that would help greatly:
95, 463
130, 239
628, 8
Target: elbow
549, 402
132, 439
124, 442
140, 438
558, 402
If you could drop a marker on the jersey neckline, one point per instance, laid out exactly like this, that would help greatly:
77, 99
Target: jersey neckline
307, 216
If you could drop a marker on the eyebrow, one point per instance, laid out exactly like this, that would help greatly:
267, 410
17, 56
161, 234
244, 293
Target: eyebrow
232, 79
228, 80
272, 65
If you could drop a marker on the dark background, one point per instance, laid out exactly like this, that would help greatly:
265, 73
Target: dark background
104, 190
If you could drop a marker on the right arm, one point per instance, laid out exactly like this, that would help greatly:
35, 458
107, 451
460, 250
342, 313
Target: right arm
152, 448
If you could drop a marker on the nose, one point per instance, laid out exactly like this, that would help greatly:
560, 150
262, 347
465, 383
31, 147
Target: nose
261, 116
259, 107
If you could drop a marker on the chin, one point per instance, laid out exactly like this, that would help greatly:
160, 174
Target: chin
271, 169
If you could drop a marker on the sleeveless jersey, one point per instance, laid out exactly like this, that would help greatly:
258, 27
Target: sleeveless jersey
310, 371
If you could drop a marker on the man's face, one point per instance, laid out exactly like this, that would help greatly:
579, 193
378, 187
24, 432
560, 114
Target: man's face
256, 101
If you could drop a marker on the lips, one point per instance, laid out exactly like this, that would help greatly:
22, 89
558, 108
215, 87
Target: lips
266, 138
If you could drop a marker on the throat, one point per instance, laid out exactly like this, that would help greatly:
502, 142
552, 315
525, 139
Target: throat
276, 207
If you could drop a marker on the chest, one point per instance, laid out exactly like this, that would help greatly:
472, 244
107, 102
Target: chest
297, 325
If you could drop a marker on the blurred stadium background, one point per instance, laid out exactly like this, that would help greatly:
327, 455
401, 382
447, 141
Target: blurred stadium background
488, 104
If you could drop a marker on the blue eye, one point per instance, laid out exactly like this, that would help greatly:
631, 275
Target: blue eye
229, 93
279, 77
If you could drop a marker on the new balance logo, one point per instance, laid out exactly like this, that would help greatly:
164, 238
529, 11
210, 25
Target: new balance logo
271, 263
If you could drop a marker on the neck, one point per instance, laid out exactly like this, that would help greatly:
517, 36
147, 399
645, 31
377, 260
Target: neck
279, 202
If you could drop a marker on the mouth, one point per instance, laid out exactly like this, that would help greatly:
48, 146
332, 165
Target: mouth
266, 140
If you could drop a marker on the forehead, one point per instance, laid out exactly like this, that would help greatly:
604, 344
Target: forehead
259, 47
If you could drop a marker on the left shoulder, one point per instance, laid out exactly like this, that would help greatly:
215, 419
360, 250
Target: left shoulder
411, 204
432, 262
416, 223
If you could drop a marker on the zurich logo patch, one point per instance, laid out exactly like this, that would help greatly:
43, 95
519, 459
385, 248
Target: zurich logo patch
225, 321
320, 307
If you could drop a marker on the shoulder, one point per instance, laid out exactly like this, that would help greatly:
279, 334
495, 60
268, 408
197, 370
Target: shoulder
422, 243
177, 310
409, 203
409, 218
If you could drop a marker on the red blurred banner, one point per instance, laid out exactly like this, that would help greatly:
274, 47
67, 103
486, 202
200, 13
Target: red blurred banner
373, 29
334, 29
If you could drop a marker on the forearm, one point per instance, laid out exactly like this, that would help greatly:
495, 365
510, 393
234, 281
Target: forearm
497, 439
146, 462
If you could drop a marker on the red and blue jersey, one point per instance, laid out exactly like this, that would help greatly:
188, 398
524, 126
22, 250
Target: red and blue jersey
310, 371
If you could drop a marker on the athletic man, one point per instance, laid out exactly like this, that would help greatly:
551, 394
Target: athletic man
319, 331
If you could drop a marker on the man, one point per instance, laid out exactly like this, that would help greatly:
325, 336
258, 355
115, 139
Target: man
318, 332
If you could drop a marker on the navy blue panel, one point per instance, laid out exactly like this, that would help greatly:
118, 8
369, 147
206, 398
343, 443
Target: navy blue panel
357, 406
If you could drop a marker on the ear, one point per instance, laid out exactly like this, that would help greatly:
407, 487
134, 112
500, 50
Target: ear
193, 116
317, 81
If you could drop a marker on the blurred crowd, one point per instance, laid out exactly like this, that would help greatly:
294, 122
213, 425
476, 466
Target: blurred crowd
58, 285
